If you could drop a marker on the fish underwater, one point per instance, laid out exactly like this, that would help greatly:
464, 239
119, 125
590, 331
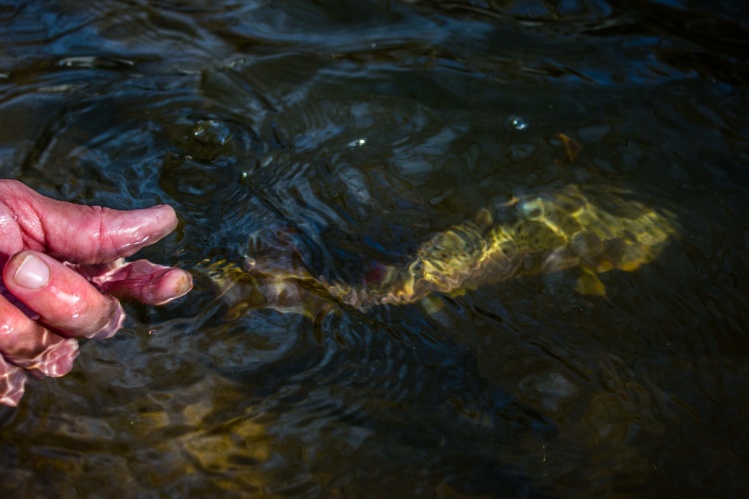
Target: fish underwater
532, 234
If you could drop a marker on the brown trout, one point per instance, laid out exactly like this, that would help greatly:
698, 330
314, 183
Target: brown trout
539, 233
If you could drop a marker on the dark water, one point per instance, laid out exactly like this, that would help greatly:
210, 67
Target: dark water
362, 127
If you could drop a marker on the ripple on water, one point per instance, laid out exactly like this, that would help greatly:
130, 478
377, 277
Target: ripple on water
348, 133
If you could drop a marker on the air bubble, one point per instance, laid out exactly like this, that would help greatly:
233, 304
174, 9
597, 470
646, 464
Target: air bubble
518, 123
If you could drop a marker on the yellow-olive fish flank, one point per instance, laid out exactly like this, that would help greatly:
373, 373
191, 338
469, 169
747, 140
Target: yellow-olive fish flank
540, 233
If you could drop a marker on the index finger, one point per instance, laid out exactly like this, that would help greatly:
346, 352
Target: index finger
92, 234
80, 234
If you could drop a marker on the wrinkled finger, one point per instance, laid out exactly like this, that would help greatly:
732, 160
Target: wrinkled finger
141, 280
12, 379
27, 344
76, 233
64, 299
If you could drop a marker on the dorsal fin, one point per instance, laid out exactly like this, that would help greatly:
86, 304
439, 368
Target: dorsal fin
484, 218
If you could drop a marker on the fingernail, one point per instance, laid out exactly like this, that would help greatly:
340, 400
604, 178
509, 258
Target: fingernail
33, 273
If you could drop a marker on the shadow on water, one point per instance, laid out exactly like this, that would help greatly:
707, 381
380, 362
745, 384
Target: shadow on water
358, 130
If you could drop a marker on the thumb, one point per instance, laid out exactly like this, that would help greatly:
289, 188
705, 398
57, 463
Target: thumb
84, 234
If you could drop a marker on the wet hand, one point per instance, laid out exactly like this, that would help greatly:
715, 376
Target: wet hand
63, 275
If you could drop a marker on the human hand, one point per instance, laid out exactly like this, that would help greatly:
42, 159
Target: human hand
64, 272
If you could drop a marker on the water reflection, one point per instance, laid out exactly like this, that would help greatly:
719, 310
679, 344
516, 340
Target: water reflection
360, 130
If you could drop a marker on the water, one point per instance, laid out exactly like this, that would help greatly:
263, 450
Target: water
359, 129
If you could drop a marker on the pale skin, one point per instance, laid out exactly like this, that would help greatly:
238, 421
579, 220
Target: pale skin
63, 276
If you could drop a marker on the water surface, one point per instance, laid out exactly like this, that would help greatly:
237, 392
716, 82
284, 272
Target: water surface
359, 129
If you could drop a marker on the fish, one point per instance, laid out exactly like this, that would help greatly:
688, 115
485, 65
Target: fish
534, 233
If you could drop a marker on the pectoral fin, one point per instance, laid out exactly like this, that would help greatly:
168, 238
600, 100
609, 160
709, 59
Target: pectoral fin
484, 218
432, 305
589, 284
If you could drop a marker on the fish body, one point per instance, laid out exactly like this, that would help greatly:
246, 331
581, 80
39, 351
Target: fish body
547, 233
538, 233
